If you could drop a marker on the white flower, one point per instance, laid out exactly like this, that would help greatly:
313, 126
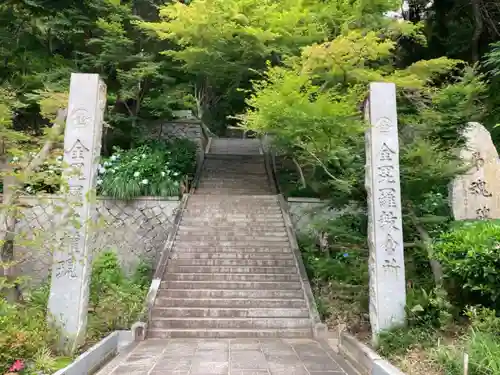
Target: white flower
163, 174
114, 170
145, 181
15, 158
99, 182
29, 189
102, 170
176, 173
137, 174
143, 156
107, 163
114, 157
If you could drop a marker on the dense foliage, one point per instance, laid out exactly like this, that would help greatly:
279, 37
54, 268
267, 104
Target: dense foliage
116, 301
154, 169
470, 256
295, 69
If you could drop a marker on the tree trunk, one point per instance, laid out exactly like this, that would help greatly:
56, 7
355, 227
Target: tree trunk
478, 29
437, 269
8, 226
12, 189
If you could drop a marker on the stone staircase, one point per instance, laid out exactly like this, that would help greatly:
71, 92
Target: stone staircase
232, 271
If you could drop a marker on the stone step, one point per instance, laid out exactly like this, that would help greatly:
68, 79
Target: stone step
224, 179
232, 285
186, 247
231, 303
191, 237
230, 277
247, 229
235, 172
230, 333
239, 244
247, 185
205, 222
228, 312
257, 256
230, 323
233, 262
253, 228
192, 219
230, 203
235, 211
246, 198
235, 203
233, 191
220, 220
228, 218
229, 269
259, 183
230, 293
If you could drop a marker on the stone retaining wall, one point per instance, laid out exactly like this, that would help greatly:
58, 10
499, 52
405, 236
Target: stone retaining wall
305, 212
135, 229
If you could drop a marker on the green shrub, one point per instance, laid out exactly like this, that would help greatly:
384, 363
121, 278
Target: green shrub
106, 273
24, 332
481, 343
483, 319
400, 340
115, 303
153, 169
349, 267
470, 255
428, 309
483, 349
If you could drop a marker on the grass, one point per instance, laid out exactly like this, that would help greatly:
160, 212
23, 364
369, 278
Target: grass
116, 301
340, 287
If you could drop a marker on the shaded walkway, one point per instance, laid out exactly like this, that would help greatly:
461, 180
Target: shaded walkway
228, 357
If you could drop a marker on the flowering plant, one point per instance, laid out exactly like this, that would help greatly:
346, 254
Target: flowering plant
153, 169
16, 367
47, 178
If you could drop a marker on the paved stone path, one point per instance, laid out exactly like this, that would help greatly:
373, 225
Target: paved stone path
228, 357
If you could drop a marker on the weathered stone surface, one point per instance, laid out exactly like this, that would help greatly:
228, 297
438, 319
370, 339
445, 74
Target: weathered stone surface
121, 226
69, 292
181, 128
385, 232
476, 194
306, 212
223, 356
94, 358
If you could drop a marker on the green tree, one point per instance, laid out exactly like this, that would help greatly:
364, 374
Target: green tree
221, 45
312, 108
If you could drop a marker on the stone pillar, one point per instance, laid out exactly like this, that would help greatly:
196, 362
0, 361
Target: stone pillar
475, 195
69, 292
385, 232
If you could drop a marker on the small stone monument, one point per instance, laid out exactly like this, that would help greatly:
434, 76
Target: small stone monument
385, 231
69, 291
476, 194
